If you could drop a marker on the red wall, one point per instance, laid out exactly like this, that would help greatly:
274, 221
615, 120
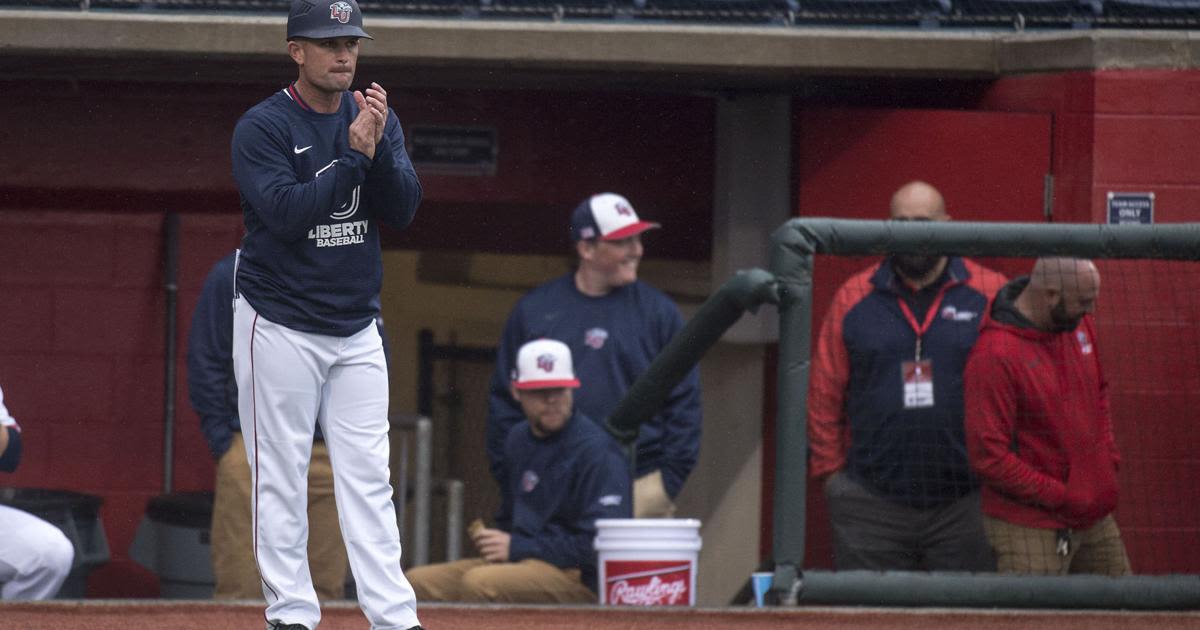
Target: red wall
81, 215
1137, 131
82, 362
159, 147
1128, 131
81, 337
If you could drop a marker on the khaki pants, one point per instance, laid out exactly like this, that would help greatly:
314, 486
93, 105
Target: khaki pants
232, 545
477, 580
650, 499
1097, 550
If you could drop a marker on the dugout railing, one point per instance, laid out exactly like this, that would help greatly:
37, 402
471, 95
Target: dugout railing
794, 247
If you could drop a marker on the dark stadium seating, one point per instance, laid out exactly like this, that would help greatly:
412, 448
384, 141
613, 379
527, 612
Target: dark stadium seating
1003, 14
555, 9
778, 11
899, 12
1060, 13
1153, 13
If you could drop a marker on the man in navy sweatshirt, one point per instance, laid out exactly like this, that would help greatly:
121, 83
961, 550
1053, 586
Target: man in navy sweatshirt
615, 325
564, 472
318, 168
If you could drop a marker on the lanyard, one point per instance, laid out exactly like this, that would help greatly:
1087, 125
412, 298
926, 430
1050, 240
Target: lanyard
929, 315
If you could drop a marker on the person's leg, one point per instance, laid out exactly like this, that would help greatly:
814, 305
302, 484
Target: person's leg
650, 499
954, 539
1025, 550
326, 551
280, 375
354, 421
232, 548
869, 532
1101, 550
529, 581
35, 556
441, 582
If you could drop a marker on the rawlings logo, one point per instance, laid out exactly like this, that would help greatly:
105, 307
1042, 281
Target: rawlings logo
340, 11
545, 362
653, 593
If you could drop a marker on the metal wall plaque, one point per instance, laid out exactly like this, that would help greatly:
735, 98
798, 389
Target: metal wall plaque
1126, 207
453, 150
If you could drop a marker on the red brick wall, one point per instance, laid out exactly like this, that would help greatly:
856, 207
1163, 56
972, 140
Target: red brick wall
82, 361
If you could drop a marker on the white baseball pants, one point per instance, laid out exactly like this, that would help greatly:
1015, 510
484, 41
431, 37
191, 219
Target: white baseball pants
35, 556
287, 379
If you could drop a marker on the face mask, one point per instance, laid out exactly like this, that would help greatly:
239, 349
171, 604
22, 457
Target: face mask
1060, 320
915, 265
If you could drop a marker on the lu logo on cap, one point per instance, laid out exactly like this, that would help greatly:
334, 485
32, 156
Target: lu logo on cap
544, 364
607, 216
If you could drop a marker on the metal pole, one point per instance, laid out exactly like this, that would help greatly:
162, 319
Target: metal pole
745, 291
993, 590
454, 519
422, 490
425, 352
170, 270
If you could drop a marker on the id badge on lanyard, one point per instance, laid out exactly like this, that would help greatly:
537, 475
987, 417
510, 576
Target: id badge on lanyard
918, 383
917, 375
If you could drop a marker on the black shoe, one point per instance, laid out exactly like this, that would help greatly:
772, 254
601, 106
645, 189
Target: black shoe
286, 626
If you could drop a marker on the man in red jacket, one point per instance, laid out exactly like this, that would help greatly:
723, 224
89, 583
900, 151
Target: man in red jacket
1039, 434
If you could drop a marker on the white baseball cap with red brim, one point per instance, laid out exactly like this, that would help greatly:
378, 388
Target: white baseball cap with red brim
608, 217
544, 364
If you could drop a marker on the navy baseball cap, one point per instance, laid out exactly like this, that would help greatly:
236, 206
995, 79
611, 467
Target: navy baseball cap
325, 19
608, 217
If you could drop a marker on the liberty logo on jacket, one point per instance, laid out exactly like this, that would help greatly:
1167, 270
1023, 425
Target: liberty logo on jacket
1085, 346
346, 232
595, 338
340, 11
529, 481
953, 314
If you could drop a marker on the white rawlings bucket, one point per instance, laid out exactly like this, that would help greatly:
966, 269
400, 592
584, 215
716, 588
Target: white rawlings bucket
647, 561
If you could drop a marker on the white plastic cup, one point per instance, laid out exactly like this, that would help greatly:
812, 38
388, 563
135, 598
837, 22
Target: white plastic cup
761, 581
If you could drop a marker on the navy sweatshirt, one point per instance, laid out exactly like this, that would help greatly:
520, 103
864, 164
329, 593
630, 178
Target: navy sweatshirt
556, 489
912, 456
613, 339
310, 256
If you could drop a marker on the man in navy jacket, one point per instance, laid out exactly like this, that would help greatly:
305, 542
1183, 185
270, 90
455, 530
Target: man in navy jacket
615, 325
885, 407
213, 393
564, 472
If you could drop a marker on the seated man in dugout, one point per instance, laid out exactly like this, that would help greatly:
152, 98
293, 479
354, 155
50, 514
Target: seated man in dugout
564, 473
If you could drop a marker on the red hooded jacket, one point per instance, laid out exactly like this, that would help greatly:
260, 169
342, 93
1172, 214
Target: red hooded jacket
1038, 429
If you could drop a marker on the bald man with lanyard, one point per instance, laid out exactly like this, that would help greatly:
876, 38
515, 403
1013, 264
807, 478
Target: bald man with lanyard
1038, 427
886, 410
